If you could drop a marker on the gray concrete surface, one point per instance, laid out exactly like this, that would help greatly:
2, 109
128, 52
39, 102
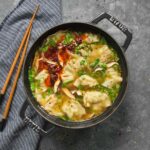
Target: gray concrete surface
128, 127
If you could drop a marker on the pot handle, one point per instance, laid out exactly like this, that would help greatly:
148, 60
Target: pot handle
118, 24
32, 124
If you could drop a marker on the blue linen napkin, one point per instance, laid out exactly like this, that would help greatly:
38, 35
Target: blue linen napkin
17, 136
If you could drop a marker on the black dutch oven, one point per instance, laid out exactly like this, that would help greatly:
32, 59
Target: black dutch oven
78, 26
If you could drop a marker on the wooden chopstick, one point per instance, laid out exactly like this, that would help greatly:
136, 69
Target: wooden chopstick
3, 90
5, 114
10, 98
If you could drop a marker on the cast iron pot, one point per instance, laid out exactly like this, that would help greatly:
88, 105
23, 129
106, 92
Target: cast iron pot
78, 26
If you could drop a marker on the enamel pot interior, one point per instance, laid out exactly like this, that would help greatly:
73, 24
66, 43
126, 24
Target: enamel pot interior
84, 27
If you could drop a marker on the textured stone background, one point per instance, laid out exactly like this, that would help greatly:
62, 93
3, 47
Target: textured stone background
128, 127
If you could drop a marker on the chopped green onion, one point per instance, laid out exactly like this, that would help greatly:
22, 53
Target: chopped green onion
68, 38
81, 72
64, 117
49, 91
85, 46
103, 66
51, 42
77, 50
103, 41
95, 63
32, 74
80, 87
82, 62
112, 92
44, 48
32, 85
66, 83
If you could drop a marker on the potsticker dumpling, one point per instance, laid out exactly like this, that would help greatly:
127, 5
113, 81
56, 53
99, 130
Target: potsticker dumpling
52, 105
73, 108
94, 97
40, 77
103, 52
70, 69
100, 107
85, 80
112, 78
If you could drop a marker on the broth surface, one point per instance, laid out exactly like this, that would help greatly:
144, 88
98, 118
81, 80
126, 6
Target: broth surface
75, 75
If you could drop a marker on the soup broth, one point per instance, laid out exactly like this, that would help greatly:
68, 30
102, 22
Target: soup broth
75, 75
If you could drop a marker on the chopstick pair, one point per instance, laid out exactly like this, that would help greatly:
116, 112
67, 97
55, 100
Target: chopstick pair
23, 45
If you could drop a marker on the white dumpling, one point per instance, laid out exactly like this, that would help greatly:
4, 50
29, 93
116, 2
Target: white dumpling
41, 77
94, 97
112, 78
67, 76
52, 100
85, 80
74, 63
103, 52
52, 105
73, 108
71, 68
84, 52
99, 107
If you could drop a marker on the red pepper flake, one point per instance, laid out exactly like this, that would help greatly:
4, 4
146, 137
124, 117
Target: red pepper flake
42, 66
48, 81
54, 69
53, 78
47, 54
51, 54
84, 36
78, 40
70, 47
64, 54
